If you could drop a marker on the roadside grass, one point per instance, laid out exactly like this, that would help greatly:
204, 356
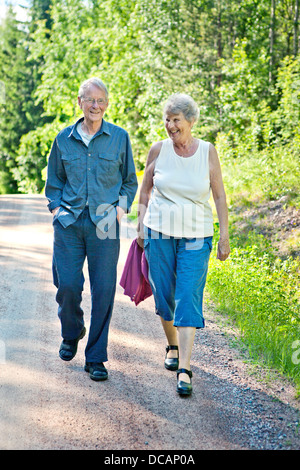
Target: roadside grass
258, 288
260, 295
268, 174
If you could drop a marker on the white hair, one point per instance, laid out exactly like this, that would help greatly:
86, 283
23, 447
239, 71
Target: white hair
92, 81
182, 103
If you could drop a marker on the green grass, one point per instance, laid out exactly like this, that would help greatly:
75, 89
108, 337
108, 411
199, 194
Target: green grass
257, 288
265, 175
260, 295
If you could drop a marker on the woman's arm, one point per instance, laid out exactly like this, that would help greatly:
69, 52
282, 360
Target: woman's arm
219, 196
145, 191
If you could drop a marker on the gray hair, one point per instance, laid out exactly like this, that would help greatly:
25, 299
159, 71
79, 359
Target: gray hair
182, 103
92, 81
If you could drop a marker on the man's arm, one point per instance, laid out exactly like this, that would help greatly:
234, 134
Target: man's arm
129, 180
56, 178
146, 189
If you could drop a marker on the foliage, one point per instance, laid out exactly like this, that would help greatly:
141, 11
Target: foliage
20, 114
268, 174
32, 157
13, 116
219, 52
287, 115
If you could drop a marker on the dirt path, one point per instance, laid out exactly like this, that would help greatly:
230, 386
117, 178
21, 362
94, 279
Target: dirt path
46, 403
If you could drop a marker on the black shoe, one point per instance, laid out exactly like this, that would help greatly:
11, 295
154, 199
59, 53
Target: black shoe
172, 363
184, 388
68, 348
97, 370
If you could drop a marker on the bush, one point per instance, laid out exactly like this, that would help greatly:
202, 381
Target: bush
267, 174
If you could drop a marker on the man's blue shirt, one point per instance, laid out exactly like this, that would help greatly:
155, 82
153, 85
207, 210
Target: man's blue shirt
101, 175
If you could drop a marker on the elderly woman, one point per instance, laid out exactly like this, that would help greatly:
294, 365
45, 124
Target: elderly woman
176, 229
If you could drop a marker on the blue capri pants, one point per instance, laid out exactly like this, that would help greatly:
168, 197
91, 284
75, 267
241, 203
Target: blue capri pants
177, 275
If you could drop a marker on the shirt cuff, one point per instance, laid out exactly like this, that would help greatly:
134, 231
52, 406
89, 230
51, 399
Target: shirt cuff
52, 205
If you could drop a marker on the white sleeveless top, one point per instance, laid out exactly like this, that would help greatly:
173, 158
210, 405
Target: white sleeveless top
179, 204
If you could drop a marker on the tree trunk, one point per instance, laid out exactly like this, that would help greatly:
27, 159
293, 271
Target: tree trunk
296, 28
272, 39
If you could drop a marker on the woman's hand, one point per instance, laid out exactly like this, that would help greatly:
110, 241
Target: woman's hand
223, 249
140, 242
120, 213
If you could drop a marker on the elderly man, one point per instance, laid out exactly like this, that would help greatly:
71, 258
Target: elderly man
91, 182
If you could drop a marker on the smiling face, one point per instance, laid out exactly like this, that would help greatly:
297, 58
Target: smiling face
178, 128
93, 111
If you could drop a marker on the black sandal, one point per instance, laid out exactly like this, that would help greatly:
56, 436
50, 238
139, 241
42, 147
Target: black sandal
171, 363
184, 388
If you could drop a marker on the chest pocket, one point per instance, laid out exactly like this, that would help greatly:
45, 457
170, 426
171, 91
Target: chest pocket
107, 165
73, 168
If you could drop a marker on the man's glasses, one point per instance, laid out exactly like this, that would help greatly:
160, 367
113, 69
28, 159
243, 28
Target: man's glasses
100, 101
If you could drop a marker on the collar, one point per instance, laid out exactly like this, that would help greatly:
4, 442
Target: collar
104, 129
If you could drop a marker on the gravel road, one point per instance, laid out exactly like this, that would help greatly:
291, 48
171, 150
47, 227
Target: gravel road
46, 403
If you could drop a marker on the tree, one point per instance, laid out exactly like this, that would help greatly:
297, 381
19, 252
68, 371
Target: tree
16, 81
226, 54
296, 28
60, 63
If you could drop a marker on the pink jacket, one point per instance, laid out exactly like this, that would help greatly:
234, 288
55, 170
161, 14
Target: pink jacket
134, 279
